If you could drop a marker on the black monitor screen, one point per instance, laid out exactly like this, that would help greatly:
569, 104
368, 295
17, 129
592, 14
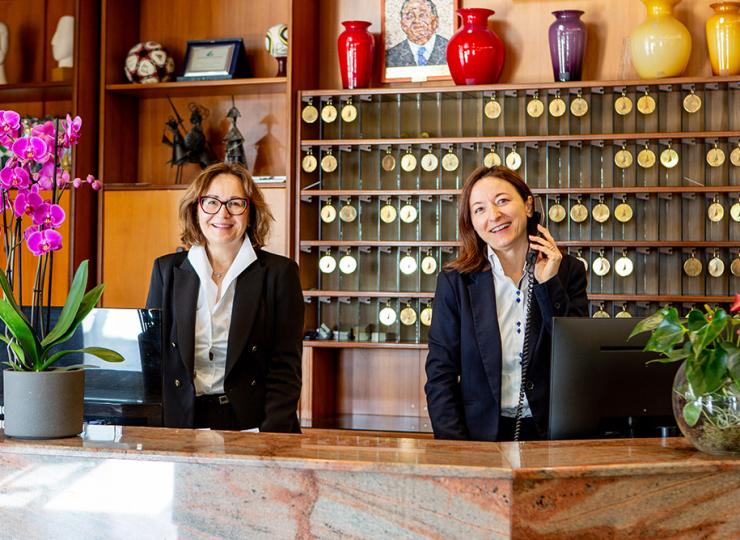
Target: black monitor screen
600, 384
135, 334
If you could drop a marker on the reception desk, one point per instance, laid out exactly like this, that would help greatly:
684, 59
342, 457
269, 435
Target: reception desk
134, 482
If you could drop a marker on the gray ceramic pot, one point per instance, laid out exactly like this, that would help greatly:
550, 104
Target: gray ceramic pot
43, 405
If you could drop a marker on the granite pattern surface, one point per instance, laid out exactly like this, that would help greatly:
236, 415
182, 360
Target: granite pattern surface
133, 482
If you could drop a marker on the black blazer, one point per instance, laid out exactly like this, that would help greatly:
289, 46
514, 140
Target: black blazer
263, 359
463, 366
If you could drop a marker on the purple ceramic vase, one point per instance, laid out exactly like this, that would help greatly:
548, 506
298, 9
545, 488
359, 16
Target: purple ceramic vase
567, 45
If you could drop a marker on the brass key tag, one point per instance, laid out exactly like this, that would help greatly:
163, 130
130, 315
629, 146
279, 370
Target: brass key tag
624, 314
623, 211
310, 114
429, 264
450, 161
513, 159
327, 263
579, 106
692, 266
329, 112
600, 313
408, 316
623, 266
535, 107
623, 158
646, 104
601, 265
735, 156
388, 162
347, 264
309, 162
623, 104
556, 212
492, 109
387, 315
735, 211
578, 212
388, 213
426, 316
492, 159
692, 103
646, 158
716, 211
408, 161
348, 213
429, 161
328, 212
407, 264
349, 112
557, 106
329, 162
600, 211
715, 156
669, 157
716, 266
735, 266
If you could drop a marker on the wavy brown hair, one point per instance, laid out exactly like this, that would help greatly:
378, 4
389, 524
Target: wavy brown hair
259, 215
472, 256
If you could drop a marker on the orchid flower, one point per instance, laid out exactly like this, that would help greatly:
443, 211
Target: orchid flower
48, 215
10, 122
14, 177
42, 242
31, 148
27, 202
72, 130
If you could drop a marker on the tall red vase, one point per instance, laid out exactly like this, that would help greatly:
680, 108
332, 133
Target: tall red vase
475, 54
355, 46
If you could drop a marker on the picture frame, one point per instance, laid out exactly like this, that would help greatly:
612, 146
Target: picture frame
424, 21
214, 59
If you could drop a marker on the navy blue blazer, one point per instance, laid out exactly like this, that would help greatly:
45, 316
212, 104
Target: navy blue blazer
463, 366
263, 357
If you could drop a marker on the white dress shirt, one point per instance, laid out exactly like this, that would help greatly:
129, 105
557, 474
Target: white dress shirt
512, 321
428, 47
213, 316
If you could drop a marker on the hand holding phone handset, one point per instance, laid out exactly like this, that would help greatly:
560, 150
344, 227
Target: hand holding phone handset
543, 261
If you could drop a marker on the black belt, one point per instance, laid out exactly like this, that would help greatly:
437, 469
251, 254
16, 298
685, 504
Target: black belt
216, 399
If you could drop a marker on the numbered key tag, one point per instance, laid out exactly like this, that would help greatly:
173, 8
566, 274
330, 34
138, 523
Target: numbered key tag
349, 112
535, 107
624, 314
389, 161
556, 212
310, 114
601, 313
492, 159
601, 265
715, 156
716, 211
450, 161
429, 264
329, 112
692, 266
407, 264
692, 102
327, 263
623, 104
646, 104
557, 106
408, 161
426, 315
492, 109
329, 162
579, 106
347, 264
623, 158
578, 212
669, 157
716, 266
623, 212
309, 162
408, 213
408, 316
646, 158
328, 212
513, 159
387, 315
348, 213
388, 213
623, 266
600, 211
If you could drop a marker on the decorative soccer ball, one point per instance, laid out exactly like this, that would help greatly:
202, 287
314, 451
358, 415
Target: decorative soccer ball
276, 40
148, 62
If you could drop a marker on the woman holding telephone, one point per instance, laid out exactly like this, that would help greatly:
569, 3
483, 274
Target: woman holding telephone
488, 367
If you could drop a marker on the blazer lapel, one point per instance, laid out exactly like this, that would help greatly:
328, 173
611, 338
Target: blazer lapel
485, 320
186, 287
247, 294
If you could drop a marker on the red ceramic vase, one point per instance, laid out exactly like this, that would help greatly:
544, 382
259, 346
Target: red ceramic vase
355, 46
475, 54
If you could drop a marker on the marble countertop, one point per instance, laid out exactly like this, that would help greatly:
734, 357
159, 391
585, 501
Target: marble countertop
346, 450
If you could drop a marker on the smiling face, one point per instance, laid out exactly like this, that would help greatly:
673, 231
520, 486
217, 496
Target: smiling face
418, 21
222, 229
499, 214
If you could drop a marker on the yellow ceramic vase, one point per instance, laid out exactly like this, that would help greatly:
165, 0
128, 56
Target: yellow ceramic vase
661, 45
723, 38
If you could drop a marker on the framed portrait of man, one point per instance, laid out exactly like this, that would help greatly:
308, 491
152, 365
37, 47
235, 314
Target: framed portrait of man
415, 34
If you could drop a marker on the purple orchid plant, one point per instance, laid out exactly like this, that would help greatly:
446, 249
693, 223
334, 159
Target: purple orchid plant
32, 182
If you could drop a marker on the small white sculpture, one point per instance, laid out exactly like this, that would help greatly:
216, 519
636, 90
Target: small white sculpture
62, 43
3, 51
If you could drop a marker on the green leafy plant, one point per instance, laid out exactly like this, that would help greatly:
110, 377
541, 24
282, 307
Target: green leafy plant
33, 354
709, 344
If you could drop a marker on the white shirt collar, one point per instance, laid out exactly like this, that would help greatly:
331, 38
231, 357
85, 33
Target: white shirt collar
496, 266
428, 46
199, 260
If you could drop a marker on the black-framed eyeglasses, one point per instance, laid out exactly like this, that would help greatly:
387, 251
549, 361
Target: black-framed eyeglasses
212, 205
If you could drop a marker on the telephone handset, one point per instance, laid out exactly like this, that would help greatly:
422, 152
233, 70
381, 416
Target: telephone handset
532, 223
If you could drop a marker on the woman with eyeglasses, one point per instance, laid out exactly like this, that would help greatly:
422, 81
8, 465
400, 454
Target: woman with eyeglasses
232, 313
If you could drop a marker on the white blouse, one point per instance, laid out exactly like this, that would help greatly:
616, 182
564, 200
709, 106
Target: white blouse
213, 316
512, 322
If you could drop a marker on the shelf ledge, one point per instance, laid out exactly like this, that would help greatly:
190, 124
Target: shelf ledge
224, 87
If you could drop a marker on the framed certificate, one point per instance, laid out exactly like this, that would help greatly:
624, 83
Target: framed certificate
212, 59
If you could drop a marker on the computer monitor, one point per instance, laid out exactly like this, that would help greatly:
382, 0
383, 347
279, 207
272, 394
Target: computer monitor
600, 384
125, 392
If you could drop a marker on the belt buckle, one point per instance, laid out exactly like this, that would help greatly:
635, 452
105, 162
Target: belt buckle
223, 400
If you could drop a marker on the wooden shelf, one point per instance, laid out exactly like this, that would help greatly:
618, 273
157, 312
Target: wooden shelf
140, 186
660, 298
562, 243
574, 86
225, 87
331, 344
536, 191
525, 139
371, 422
313, 293
380, 243
37, 91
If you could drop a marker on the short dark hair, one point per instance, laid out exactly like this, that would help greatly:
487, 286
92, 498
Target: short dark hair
431, 5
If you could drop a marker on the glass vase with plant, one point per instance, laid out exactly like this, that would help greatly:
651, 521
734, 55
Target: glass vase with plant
32, 181
706, 390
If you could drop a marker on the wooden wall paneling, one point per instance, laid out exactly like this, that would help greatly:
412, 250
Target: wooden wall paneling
319, 393
426, 424
53, 10
378, 382
523, 27
27, 40
278, 241
138, 227
263, 124
86, 77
